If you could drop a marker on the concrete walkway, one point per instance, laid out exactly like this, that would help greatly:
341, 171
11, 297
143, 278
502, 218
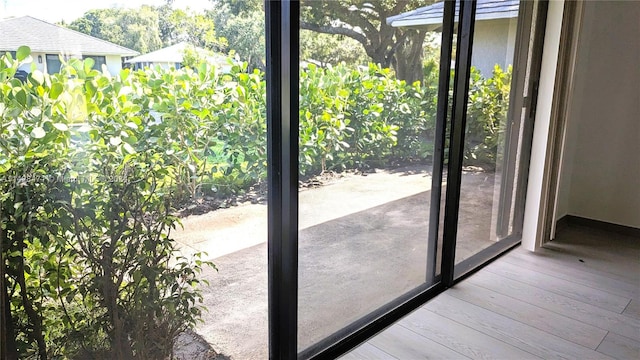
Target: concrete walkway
362, 243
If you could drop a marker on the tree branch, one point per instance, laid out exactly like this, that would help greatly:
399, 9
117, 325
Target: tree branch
335, 30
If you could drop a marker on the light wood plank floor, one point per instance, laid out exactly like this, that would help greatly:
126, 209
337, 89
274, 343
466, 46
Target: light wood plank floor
578, 298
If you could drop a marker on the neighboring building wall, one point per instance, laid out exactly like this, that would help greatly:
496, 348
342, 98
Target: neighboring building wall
493, 43
114, 64
601, 164
222, 67
39, 66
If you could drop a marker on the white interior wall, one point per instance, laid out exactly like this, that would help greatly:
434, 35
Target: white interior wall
600, 176
531, 232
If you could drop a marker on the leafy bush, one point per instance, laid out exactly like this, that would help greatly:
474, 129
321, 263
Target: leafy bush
360, 118
93, 168
212, 126
89, 267
486, 117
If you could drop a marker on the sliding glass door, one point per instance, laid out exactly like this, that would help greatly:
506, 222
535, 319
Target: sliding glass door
398, 144
496, 131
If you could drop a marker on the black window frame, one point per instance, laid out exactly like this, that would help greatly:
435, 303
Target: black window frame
53, 57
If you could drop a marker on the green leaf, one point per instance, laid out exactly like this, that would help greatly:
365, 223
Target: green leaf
38, 76
22, 53
56, 90
128, 148
38, 133
21, 97
115, 140
61, 127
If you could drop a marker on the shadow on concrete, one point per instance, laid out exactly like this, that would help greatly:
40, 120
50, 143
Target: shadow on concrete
348, 267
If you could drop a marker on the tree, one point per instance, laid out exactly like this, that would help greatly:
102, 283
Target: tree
140, 29
324, 49
176, 25
133, 29
365, 22
241, 23
149, 28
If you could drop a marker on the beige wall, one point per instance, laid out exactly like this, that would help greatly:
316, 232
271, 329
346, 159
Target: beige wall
114, 63
601, 160
39, 66
537, 182
493, 43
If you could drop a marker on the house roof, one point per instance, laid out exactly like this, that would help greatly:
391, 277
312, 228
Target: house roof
42, 36
431, 16
170, 54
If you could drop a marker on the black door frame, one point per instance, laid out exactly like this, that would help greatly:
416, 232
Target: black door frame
461, 82
282, 39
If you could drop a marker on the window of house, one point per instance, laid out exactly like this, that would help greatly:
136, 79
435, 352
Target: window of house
53, 63
98, 61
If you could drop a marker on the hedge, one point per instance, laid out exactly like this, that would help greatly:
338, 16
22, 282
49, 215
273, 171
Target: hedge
94, 166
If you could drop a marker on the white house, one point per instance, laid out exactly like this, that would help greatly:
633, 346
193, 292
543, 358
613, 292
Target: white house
494, 35
49, 43
173, 56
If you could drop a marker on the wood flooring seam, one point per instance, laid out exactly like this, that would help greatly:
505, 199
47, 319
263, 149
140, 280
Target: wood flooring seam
557, 256
552, 346
386, 352
549, 309
489, 335
612, 292
588, 271
491, 270
536, 327
601, 341
624, 336
441, 344
625, 308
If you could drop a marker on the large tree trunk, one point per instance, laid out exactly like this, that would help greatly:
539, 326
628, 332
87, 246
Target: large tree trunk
408, 57
16, 269
388, 47
8, 350
120, 346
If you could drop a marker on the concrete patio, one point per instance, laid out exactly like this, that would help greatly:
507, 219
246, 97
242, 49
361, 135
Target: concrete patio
362, 243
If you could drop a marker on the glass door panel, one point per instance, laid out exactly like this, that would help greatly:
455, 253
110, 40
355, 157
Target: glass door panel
367, 132
494, 132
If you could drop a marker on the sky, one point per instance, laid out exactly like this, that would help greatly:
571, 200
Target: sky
56, 10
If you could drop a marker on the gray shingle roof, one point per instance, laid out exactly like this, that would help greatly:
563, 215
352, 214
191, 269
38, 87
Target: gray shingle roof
42, 36
432, 14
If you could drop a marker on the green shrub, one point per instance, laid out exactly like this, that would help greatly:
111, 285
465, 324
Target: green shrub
90, 269
360, 118
486, 117
93, 168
